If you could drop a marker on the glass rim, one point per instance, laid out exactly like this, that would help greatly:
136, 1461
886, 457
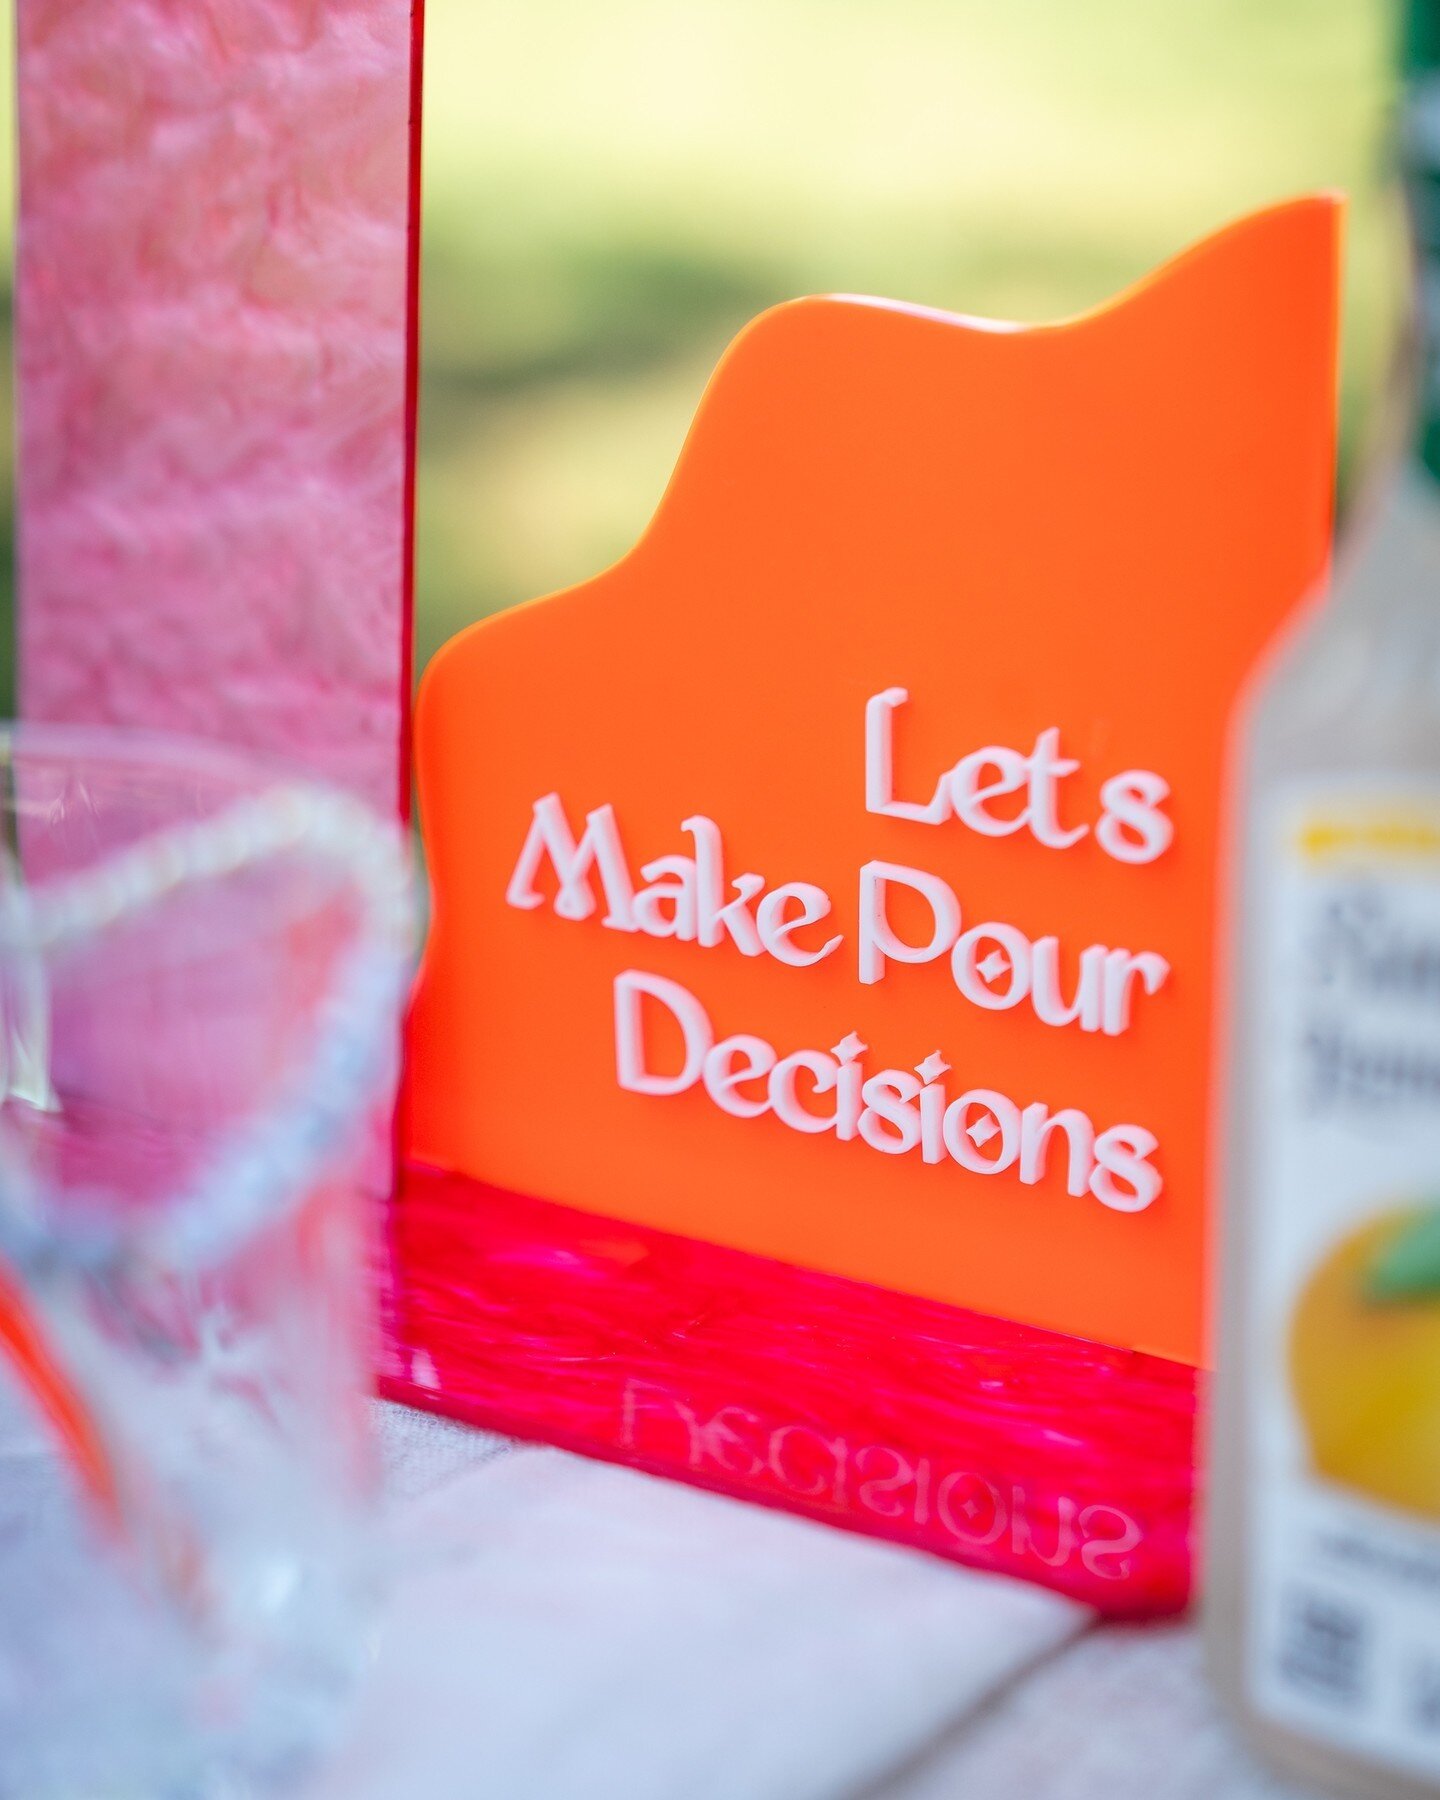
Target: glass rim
126, 745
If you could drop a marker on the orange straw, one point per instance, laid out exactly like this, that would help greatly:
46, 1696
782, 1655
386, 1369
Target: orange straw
23, 1342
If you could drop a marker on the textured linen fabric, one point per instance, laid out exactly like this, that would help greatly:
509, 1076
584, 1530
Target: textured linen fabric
562, 1629
211, 292
1124, 1714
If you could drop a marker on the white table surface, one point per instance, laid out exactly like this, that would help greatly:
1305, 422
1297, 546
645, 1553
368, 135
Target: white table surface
564, 1630
1125, 1713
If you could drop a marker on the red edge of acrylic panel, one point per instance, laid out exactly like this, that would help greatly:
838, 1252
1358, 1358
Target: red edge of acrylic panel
386, 1299
412, 408
994, 1444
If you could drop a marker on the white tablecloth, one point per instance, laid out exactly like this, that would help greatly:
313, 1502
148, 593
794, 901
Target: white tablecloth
560, 1629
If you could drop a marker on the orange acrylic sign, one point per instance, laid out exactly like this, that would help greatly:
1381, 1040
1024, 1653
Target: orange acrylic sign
834, 878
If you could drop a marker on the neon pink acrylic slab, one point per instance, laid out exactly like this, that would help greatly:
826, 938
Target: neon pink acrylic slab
1016, 1450
215, 289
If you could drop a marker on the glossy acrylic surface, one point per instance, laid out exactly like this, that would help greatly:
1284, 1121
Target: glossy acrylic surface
1011, 1449
1090, 528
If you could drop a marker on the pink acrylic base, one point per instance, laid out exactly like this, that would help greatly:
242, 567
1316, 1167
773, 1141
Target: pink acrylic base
994, 1444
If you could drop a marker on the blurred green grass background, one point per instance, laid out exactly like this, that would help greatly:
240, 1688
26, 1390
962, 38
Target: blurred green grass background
613, 188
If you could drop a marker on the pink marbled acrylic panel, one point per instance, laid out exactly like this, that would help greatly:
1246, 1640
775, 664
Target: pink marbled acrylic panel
215, 293
995, 1444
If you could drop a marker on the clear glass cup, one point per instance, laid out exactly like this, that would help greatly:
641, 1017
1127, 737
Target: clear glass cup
201, 970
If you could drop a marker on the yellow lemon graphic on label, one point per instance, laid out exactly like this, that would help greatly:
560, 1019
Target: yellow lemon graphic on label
1365, 1361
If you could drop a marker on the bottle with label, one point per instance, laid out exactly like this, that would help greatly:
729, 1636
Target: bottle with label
1324, 1543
